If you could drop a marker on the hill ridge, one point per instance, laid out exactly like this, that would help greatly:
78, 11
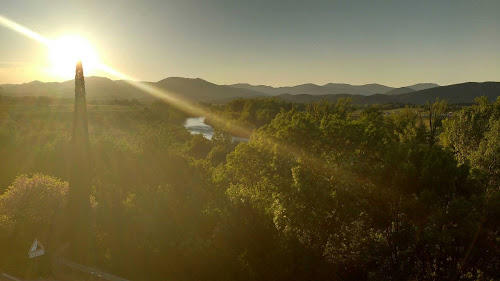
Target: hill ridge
200, 90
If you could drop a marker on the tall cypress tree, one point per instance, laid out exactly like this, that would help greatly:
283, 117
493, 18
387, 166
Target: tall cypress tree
79, 185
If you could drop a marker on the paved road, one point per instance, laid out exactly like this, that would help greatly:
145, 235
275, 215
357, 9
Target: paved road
101, 275
7, 277
89, 272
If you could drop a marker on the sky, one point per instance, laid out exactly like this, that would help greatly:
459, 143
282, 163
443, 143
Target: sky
276, 43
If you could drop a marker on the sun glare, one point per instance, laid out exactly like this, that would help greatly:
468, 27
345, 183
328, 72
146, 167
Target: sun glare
66, 51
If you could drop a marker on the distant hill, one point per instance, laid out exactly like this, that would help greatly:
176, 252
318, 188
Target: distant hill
457, 93
204, 91
259, 88
201, 90
334, 89
103, 88
399, 91
313, 89
365, 90
411, 88
423, 86
304, 98
96, 87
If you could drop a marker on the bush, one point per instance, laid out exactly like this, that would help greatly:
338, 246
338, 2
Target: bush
32, 207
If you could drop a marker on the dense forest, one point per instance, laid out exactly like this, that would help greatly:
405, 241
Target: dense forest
324, 191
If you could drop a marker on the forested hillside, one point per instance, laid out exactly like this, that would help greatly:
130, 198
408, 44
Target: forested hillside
463, 93
100, 88
199, 90
325, 191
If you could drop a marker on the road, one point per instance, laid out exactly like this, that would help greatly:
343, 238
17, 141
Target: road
77, 269
7, 277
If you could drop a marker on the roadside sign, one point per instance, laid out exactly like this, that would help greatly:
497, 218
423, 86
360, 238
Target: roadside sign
36, 249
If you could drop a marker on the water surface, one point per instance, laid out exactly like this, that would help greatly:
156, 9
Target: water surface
196, 125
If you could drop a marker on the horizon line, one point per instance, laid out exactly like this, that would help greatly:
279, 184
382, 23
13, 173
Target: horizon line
255, 85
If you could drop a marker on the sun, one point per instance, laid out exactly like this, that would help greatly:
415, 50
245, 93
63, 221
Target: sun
66, 51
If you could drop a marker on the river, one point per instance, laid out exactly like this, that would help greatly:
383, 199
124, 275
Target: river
196, 125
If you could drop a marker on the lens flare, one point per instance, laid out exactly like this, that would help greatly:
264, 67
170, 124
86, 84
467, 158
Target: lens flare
66, 51
23, 30
172, 98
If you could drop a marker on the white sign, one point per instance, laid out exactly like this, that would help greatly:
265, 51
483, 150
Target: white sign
36, 249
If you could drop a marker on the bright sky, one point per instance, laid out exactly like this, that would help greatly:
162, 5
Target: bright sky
280, 42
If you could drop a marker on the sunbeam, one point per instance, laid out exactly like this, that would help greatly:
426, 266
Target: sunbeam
324, 140
23, 30
170, 98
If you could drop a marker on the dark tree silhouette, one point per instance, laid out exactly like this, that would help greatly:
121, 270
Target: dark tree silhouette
79, 185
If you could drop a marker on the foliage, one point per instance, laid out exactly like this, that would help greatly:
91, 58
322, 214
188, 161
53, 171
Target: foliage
32, 207
249, 113
319, 192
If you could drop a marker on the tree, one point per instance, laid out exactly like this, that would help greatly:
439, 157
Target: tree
466, 129
408, 125
436, 113
80, 176
32, 207
199, 146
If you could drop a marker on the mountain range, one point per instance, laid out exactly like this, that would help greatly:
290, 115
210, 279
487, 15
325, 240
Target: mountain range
332, 89
456, 94
104, 88
203, 91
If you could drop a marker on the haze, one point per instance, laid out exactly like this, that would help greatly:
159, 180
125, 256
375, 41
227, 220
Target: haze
275, 43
